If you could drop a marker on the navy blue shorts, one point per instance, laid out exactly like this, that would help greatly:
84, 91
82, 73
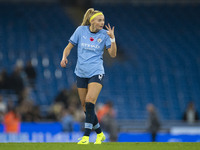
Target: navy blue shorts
83, 82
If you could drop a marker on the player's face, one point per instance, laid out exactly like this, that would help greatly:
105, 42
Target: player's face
99, 22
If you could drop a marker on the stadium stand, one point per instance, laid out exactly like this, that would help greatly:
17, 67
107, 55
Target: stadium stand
160, 46
162, 66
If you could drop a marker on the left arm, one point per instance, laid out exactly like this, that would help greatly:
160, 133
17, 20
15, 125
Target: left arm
113, 49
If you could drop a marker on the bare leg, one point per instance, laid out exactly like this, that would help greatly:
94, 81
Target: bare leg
94, 89
82, 92
91, 98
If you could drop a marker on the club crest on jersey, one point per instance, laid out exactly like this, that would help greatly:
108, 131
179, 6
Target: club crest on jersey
99, 40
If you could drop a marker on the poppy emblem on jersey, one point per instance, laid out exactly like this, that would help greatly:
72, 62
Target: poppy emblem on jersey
91, 39
99, 40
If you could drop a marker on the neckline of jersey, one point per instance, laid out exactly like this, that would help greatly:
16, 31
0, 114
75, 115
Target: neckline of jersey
92, 32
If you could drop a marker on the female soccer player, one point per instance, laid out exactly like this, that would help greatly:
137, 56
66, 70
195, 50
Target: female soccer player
90, 39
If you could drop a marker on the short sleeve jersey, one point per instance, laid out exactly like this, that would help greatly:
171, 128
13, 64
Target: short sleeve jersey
90, 50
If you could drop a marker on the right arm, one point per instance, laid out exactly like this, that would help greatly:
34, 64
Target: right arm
66, 53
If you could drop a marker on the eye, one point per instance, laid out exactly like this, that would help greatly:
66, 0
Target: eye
99, 20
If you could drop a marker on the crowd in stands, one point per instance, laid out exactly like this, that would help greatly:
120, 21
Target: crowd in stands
66, 107
20, 82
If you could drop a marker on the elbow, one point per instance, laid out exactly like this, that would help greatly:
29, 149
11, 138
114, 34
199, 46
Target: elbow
113, 55
113, 52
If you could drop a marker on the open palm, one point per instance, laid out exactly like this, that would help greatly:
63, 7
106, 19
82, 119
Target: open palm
110, 31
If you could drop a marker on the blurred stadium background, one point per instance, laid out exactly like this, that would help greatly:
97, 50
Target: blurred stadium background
158, 62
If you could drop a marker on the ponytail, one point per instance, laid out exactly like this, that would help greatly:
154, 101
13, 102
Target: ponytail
89, 13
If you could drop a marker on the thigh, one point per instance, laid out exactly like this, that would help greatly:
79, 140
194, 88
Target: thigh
82, 92
94, 89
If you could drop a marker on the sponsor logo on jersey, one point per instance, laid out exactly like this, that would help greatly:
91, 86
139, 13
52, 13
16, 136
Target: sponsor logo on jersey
90, 46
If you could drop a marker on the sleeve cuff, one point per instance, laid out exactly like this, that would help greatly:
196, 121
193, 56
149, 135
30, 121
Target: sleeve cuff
72, 42
107, 47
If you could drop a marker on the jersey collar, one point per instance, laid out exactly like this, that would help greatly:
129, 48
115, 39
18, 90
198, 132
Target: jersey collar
88, 27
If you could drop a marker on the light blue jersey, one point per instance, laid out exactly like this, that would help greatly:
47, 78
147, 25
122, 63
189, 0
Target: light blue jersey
90, 51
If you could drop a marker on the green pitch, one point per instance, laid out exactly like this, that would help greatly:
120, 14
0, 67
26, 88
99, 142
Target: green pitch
104, 146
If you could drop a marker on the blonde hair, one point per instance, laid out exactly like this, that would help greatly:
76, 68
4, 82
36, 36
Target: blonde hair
89, 13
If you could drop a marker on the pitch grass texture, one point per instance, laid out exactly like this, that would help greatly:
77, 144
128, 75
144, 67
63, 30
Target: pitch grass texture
104, 146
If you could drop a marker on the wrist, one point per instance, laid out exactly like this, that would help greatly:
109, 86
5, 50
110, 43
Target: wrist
64, 58
112, 40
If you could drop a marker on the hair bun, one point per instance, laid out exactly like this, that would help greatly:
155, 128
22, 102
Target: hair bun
90, 10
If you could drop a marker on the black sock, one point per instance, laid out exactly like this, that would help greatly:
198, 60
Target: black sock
90, 116
96, 125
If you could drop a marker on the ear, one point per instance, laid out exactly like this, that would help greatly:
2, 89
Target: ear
92, 22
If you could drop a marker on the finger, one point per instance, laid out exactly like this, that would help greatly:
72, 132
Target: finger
113, 28
61, 64
106, 27
109, 25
